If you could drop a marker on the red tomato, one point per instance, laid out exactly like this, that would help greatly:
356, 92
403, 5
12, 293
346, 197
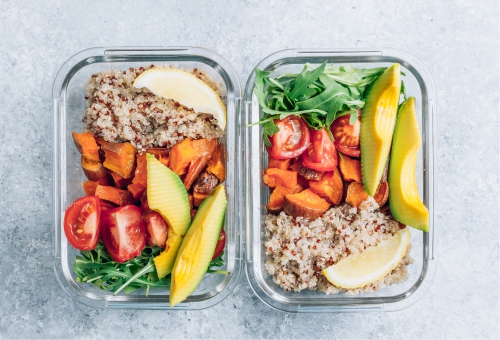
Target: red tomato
321, 155
346, 135
81, 222
123, 232
220, 244
291, 140
156, 229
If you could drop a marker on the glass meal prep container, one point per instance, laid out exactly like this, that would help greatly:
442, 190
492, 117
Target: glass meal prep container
419, 84
69, 105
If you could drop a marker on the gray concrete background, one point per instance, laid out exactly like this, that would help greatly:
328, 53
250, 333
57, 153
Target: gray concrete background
456, 40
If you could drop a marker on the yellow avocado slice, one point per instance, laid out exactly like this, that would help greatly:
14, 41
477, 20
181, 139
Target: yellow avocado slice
404, 200
168, 196
378, 118
198, 246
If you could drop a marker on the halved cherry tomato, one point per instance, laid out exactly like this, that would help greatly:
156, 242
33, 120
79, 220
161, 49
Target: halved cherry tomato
156, 229
346, 136
220, 244
321, 155
123, 232
291, 140
81, 222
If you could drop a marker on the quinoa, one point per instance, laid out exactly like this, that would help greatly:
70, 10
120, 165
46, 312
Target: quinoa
119, 112
299, 249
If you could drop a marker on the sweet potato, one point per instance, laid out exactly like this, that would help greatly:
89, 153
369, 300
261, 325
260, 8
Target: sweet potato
141, 171
198, 198
161, 154
204, 147
136, 190
120, 158
216, 165
350, 169
273, 177
283, 164
114, 195
190, 200
304, 183
90, 186
195, 169
305, 204
330, 187
93, 170
305, 172
119, 180
382, 194
87, 145
181, 156
277, 197
357, 194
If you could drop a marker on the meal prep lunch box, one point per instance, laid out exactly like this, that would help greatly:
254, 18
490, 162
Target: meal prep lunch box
69, 105
246, 160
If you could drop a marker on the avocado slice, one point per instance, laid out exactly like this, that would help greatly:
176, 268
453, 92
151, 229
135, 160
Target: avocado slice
378, 118
168, 196
404, 200
198, 246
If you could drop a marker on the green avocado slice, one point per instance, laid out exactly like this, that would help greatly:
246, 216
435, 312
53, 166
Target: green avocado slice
404, 200
197, 249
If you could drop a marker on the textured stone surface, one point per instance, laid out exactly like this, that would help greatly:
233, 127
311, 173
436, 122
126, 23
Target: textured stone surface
457, 41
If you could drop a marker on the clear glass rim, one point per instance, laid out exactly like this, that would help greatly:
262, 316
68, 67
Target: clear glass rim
137, 54
348, 304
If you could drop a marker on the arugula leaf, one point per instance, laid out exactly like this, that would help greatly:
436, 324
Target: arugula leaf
97, 267
304, 79
332, 100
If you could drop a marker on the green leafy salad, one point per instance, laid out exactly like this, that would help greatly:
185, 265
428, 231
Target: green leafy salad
317, 94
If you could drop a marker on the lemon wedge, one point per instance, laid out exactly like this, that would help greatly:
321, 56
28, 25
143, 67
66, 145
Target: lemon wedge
186, 89
371, 265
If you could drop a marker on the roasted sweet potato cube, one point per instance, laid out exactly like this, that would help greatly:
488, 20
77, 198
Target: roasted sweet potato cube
283, 164
90, 186
93, 170
330, 187
273, 177
120, 158
136, 190
204, 147
161, 154
357, 194
141, 170
181, 156
114, 195
198, 198
277, 197
119, 181
305, 204
350, 169
216, 165
195, 169
87, 145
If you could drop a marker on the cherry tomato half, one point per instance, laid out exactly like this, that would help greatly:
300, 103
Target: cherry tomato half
321, 155
156, 229
123, 232
81, 222
291, 140
221, 243
346, 136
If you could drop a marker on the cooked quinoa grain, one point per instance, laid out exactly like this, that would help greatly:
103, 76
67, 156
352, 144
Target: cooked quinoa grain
299, 249
119, 112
